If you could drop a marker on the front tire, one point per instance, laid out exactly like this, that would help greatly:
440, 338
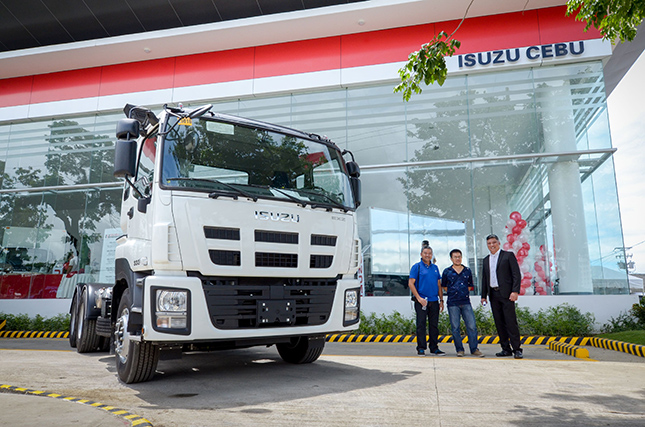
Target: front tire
86, 338
301, 350
136, 361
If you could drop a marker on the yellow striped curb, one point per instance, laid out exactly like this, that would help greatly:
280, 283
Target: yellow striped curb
2, 324
135, 420
34, 334
570, 349
634, 349
482, 339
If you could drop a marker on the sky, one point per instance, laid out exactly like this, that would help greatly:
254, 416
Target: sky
627, 122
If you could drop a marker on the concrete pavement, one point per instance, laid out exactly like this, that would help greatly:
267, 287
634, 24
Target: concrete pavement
361, 384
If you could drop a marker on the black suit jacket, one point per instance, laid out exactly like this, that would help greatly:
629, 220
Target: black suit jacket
508, 274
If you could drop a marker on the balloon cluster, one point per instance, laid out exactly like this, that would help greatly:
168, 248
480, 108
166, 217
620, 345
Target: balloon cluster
543, 277
517, 242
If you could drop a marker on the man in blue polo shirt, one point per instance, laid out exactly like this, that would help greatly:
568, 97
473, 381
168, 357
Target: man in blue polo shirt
457, 280
425, 284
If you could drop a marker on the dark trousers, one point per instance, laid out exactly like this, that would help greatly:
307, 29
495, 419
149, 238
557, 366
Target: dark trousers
432, 316
505, 321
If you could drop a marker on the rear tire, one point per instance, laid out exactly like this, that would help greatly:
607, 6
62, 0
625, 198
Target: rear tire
136, 361
73, 322
301, 350
86, 338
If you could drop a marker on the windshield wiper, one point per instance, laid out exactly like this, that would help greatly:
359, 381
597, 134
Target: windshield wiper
302, 203
234, 190
330, 200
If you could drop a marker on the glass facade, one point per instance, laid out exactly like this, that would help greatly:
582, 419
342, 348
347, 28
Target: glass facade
524, 154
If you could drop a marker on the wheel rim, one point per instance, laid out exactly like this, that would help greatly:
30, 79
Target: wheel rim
121, 336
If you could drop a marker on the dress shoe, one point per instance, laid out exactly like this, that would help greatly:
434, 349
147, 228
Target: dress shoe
503, 353
518, 354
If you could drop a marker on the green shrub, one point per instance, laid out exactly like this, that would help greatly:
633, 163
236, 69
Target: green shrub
22, 322
562, 320
395, 324
632, 320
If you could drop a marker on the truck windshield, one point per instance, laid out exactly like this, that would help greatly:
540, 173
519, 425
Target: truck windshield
230, 159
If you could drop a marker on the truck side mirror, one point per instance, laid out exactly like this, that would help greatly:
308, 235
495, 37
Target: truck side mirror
355, 183
353, 170
125, 158
125, 152
127, 129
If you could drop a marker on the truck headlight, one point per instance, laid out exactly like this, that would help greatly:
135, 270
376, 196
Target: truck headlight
171, 309
352, 306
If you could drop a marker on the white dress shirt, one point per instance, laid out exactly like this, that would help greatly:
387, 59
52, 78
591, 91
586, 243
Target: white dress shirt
492, 265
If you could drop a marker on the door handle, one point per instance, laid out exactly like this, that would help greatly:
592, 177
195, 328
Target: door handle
131, 213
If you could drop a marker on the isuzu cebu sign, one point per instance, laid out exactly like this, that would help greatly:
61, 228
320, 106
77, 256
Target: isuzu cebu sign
513, 55
529, 55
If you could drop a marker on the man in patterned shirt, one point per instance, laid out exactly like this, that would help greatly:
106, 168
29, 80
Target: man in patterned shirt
457, 281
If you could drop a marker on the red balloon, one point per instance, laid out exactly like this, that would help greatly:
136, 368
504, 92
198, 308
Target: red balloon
525, 282
528, 276
538, 267
511, 238
542, 275
515, 216
522, 291
517, 230
541, 248
526, 246
523, 253
521, 223
507, 246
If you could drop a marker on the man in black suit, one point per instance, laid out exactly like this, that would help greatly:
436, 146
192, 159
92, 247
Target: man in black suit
502, 287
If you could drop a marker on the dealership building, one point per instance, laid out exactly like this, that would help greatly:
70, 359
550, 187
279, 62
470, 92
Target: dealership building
516, 142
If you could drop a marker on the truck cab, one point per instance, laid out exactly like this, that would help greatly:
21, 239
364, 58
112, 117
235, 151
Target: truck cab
236, 233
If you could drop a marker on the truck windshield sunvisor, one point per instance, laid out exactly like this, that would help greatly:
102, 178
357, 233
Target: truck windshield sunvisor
224, 158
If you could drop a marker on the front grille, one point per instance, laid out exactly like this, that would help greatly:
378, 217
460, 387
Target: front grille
222, 233
238, 303
320, 261
322, 240
276, 237
225, 257
271, 259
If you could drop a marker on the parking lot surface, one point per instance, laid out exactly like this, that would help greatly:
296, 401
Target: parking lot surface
351, 384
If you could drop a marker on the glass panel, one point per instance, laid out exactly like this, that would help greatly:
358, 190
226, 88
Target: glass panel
376, 126
26, 156
437, 122
502, 116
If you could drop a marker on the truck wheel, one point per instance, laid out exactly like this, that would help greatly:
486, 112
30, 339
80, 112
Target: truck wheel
73, 322
136, 361
86, 338
301, 350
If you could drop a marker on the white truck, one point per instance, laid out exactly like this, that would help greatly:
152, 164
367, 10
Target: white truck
238, 233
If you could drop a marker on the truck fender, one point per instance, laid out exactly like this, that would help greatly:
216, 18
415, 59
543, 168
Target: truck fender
126, 278
92, 312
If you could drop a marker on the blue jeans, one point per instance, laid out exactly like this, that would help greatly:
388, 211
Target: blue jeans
465, 311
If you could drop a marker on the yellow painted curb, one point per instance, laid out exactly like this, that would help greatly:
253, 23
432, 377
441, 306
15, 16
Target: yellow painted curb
635, 349
135, 420
486, 339
34, 334
570, 349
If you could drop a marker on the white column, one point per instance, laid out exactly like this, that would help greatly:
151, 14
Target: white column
565, 191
